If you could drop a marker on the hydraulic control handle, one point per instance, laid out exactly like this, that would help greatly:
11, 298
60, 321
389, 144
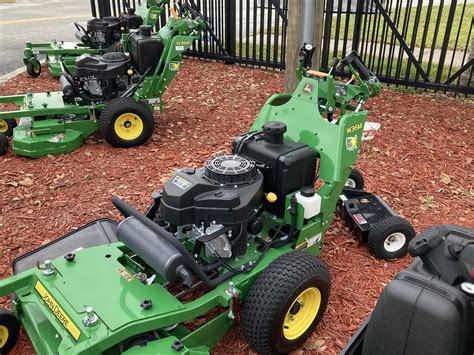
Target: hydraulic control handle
306, 53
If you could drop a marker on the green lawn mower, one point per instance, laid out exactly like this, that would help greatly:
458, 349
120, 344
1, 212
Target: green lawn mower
115, 93
247, 227
100, 36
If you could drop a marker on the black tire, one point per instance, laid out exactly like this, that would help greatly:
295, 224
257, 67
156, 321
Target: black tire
9, 331
3, 144
398, 230
355, 180
33, 68
130, 112
274, 296
7, 125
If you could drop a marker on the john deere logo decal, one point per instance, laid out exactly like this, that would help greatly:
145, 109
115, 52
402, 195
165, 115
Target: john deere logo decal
351, 143
308, 88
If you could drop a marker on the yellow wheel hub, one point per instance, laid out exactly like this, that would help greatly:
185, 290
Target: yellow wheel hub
3, 336
3, 126
302, 313
128, 126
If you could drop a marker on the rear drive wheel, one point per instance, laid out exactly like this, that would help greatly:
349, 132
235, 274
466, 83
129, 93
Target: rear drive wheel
389, 238
286, 303
3, 144
9, 330
33, 67
126, 123
7, 125
355, 180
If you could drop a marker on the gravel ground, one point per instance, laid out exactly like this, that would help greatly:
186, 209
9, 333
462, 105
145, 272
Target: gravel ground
421, 162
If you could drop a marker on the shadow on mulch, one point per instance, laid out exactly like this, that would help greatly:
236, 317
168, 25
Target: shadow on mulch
421, 162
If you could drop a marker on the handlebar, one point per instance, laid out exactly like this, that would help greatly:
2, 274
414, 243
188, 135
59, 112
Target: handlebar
354, 60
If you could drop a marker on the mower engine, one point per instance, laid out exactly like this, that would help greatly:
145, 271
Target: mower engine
106, 77
104, 33
219, 206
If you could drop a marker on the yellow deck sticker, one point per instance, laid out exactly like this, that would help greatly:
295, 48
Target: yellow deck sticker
125, 274
57, 310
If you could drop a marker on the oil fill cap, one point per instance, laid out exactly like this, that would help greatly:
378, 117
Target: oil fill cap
145, 30
274, 127
307, 191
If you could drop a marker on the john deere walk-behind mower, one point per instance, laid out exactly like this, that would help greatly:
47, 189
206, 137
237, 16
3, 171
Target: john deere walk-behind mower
247, 227
100, 36
114, 93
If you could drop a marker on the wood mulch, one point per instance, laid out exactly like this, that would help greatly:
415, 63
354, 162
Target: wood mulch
421, 162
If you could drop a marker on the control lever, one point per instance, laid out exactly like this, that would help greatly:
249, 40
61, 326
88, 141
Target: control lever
335, 61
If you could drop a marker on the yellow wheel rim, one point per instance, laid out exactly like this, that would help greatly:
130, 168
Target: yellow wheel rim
301, 313
3, 336
3, 126
36, 69
128, 126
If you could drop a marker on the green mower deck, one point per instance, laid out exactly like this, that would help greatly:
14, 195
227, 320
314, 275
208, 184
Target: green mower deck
38, 137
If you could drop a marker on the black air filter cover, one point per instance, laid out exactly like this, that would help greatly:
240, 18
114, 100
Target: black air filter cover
230, 169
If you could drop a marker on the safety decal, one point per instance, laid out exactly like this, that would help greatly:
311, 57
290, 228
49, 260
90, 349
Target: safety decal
181, 183
351, 143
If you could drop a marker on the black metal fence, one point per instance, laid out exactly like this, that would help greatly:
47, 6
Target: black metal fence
420, 43
417, 43
250, 32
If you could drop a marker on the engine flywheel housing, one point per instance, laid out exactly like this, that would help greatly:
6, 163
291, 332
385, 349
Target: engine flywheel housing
230, 169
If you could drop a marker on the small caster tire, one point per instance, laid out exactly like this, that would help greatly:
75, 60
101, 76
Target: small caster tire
3, 144
33, 68
389, 238
355, 180
9, 331
7, 125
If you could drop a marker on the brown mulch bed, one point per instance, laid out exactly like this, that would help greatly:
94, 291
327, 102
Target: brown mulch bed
421, 162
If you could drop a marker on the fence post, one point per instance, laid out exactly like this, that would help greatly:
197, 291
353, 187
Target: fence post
293, 44
93, 9
104, 8
357, 24
230, 26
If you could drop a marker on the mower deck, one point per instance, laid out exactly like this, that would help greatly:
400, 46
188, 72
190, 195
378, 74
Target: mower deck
52, 308
54, 51
48, 125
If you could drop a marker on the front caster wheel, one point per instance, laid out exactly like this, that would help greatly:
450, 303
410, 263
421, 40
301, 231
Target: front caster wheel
286, 303
33, 68
355, 180
9, 331
7, 125
126, 123
3, 144
389, 238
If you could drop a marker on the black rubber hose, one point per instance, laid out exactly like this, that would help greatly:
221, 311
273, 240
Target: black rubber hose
127, 210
